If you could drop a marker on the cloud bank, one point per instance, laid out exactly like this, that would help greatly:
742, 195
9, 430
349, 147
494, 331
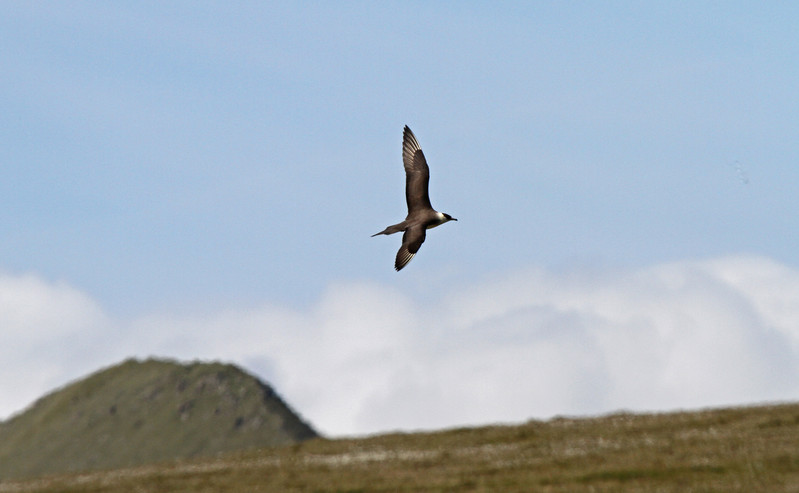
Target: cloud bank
367, 357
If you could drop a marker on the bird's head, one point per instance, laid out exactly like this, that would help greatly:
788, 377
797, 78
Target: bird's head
447, 217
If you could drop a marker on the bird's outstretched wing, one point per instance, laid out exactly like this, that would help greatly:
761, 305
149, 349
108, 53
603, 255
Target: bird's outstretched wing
417, 174
412, 239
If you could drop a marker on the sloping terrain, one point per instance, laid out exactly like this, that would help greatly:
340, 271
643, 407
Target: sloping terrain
144, 412
749, 449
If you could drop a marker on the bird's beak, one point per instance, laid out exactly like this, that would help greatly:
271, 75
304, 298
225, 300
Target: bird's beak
454, 219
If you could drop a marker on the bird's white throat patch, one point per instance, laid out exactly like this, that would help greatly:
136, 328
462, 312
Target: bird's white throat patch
441, 220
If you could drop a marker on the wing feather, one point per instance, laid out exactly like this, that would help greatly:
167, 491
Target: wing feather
417, 173
412, 239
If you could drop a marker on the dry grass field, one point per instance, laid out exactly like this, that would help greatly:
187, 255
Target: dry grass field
744, 449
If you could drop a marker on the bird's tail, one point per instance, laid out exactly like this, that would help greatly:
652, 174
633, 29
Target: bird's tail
394, 228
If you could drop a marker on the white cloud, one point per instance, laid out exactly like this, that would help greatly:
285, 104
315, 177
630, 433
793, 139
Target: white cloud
32, 309
45, 328
368, 358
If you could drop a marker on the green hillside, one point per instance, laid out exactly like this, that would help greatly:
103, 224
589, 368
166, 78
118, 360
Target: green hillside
143, 412
752, 449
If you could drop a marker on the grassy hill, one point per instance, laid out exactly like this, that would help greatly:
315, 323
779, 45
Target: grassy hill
753, 449
143, 412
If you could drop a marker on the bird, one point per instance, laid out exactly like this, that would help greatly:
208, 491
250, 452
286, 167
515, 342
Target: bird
421, 215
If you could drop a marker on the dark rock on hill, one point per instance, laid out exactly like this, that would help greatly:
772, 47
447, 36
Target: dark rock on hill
140, 412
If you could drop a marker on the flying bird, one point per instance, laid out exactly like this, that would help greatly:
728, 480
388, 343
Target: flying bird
421, 215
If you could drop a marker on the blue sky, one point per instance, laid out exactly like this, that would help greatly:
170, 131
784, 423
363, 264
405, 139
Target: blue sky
170, 164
